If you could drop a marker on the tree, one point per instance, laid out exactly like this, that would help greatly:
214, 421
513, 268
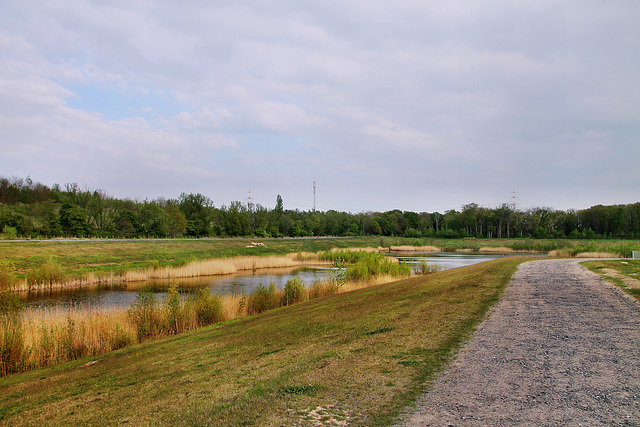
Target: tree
73, 220
197, 211
176, 221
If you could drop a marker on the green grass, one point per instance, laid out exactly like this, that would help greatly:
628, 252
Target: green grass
626, 270
78, 257
81, 256
361, 356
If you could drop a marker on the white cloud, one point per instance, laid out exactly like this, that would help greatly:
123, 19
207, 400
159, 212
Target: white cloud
149, 96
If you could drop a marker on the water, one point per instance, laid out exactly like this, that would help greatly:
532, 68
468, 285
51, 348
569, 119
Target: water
123, 295
446, 260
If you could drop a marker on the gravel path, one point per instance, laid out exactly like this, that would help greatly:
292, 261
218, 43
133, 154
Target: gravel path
562, 348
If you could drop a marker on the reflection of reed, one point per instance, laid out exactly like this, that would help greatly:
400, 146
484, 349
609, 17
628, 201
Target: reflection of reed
214, 267
49, 333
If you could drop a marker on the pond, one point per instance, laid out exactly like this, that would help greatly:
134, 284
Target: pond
123, 295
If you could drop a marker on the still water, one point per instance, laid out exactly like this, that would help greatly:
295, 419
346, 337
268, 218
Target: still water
123, 295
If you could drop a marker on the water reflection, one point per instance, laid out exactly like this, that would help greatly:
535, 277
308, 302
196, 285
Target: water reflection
445, 260
123, 295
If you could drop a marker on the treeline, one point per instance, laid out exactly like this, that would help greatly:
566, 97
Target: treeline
33, 210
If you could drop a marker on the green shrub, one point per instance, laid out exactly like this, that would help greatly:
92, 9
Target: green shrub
144, 314
174, 311
49, 273
9, 233
72, 340
207, 307
47, 347
263, 298
119, 338
294, 291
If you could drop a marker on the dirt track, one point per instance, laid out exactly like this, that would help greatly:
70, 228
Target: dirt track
562, 348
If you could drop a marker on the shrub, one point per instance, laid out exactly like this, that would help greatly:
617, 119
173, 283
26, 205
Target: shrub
263, 298
424, 267
73, 340
294, 291
48, 273
207, 307
119, 338
144, 314
174, 311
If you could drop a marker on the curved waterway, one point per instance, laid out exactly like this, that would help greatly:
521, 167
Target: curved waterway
123, 295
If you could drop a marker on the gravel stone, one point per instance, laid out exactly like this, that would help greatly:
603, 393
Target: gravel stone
561, 348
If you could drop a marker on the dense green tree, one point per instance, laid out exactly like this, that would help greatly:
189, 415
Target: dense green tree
197, 211
73, 220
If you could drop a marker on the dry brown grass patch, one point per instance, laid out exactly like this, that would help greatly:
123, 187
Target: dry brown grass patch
597, 255
406, 248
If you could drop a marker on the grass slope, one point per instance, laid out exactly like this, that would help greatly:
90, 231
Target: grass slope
359, 357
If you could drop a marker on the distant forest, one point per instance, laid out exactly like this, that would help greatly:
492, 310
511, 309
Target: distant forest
33, 210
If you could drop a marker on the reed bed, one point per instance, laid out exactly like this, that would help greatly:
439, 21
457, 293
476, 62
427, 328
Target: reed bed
407, 248
212, 267
496, 250
36, 338
366, 249
597, 255
43, 280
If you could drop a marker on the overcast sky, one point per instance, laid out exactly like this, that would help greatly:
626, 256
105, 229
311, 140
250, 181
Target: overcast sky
411, 105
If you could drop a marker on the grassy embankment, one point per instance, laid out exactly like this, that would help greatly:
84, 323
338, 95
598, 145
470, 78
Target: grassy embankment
359, 357
25, 265
36, 338
624, 274
46, 264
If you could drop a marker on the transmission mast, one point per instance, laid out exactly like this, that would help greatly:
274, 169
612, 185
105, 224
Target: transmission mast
249, 203
314, 196
514, 200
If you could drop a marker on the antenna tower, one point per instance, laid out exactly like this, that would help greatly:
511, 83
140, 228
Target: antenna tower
314, 196
514, 200
249, 203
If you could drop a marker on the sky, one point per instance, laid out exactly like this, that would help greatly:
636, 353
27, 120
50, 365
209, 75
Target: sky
414, 105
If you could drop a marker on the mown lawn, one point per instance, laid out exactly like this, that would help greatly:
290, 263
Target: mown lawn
359, 357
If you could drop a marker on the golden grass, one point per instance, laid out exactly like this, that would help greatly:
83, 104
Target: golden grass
496, 250
597, 255
365, 249
564, 253
213, 267
53, 334
96, 331
405, 248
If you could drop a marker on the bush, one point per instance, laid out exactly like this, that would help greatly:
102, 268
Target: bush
48, 273
207, 307
262, 299
144, 314
119, 338
73, 340
294, 291
175, 316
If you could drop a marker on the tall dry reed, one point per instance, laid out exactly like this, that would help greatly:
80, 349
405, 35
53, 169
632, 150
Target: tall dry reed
54, 335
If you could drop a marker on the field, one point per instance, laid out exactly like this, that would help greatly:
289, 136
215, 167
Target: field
86, 260
360, 357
